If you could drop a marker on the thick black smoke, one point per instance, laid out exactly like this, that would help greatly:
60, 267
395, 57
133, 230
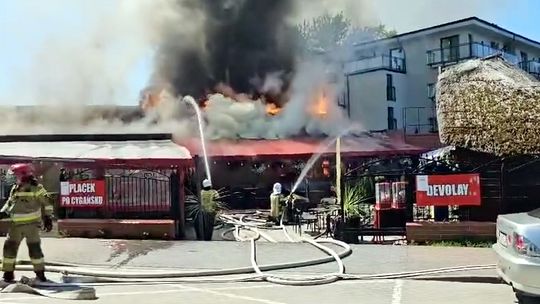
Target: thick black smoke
244, 40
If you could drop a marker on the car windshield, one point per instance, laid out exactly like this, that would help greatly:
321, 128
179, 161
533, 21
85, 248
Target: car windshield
535, 213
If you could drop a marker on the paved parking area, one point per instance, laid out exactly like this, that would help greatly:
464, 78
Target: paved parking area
218, 255
343, 292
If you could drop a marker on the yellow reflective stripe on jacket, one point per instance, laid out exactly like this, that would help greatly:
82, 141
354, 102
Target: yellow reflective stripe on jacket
26, 217
9, 260
37, 261
42, 191
25, 194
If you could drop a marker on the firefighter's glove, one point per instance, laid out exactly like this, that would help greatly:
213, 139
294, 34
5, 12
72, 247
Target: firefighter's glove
3, 215
47, 223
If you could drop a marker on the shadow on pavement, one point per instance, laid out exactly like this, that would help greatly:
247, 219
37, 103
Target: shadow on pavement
465, 279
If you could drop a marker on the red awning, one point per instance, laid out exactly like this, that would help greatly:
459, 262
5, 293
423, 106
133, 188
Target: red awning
151, 153
351, 146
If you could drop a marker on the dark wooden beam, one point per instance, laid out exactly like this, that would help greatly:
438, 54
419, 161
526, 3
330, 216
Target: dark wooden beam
84, 137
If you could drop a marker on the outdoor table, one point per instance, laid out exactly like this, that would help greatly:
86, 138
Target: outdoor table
321, 214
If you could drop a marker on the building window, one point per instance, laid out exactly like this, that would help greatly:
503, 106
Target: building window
494, 45
397, 59
390, 89
450, 48
392, 121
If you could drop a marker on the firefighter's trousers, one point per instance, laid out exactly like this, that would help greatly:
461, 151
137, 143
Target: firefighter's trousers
14, 238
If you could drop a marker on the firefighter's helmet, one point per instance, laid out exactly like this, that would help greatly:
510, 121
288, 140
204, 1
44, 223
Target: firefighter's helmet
22, 170
207, 183
277, 188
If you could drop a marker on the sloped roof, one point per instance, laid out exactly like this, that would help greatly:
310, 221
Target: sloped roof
157, 150
351, 146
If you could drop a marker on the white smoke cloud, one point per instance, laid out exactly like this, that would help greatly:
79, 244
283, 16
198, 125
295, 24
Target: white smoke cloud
90, 63
90, 66
273, 83
304, 113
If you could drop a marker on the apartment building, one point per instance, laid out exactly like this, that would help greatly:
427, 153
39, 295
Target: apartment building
391, 82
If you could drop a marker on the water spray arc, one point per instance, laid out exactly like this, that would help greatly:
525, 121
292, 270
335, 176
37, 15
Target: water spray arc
323, 148
192, 102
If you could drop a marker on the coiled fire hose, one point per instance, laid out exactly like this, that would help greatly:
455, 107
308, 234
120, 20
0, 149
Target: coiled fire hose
93, 276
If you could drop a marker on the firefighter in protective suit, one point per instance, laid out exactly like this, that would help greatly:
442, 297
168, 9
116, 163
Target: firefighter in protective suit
277, 201
28, 206
209, 207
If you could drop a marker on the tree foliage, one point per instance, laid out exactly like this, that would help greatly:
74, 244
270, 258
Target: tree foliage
380, 31
327, 32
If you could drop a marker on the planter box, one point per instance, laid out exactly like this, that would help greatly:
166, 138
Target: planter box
122, 229
421, 232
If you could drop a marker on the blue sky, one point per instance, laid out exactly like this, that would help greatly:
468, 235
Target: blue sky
521, 17
27, 25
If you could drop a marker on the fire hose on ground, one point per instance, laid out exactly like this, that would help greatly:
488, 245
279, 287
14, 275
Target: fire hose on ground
87, 276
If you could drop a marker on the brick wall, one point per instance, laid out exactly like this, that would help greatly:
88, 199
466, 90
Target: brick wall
420, 232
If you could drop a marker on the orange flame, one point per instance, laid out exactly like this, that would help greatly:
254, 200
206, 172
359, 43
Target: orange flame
272, 109
322, 106
150, 101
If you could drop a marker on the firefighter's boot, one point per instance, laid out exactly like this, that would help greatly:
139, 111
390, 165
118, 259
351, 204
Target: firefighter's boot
40, 275
9, 276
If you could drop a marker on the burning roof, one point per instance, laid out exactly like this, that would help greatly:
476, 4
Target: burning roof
230, 115
237, 58
364, 146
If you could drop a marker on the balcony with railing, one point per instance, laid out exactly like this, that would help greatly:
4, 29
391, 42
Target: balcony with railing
532, 67
419, 120
452, 55
383, 62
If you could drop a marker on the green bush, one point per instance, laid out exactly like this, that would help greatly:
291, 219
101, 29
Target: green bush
358, 199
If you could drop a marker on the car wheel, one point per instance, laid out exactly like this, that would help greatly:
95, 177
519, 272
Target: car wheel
525, 299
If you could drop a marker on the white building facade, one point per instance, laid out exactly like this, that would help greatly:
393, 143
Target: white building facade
391, 83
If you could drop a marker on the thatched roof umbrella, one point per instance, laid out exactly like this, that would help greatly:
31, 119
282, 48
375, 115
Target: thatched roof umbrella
489, 105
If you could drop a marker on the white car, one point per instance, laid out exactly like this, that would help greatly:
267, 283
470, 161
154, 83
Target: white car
518, 251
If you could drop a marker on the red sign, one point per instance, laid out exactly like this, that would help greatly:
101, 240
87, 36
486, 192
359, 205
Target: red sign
448, 190
82, 194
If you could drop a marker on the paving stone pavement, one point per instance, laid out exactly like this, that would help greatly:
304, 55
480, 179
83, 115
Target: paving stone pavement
366, 259
218, 255
343, 292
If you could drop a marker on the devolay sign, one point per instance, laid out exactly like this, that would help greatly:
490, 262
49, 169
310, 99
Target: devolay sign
446, 190
82, 194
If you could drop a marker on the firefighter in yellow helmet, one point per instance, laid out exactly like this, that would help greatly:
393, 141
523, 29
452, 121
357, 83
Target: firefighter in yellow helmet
209, 206
28, 206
